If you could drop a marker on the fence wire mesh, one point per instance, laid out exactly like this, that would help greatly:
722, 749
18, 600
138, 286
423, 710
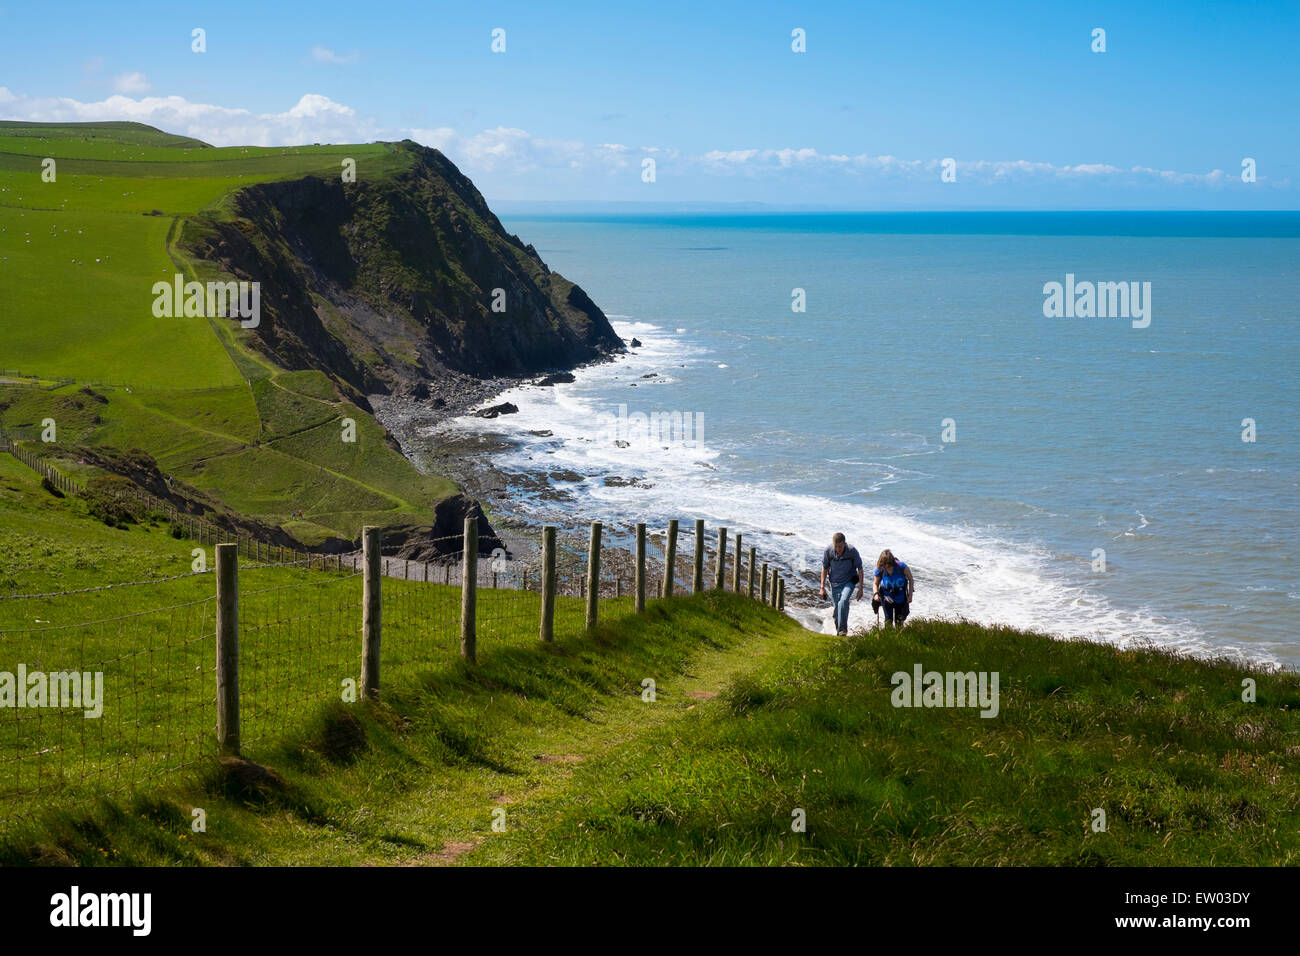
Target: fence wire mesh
152, 646
299, 641
94, 706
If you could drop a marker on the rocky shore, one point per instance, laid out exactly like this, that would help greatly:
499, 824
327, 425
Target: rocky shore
467, 459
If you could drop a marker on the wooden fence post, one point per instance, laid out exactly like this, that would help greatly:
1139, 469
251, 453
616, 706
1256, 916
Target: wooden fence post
670, 553
720, 577
469, 593
780, 594
640, 567
697, 577
735, 572
371, 611
763, 594
593, 574
547, 632
753, 555
227, 572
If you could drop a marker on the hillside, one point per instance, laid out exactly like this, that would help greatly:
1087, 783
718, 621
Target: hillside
753, 719
367, 287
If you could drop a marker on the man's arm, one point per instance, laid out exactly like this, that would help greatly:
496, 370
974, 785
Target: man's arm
862, 572
825, 564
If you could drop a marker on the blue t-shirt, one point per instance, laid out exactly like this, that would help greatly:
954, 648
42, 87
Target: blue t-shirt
842, 568
895, 584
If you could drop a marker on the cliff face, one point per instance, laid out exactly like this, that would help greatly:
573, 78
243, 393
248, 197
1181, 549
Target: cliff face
385, 283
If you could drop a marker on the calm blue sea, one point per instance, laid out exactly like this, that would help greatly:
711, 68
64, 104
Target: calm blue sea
1073, 436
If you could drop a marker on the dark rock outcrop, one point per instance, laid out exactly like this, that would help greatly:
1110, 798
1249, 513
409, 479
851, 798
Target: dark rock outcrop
444, 540
505, 408
556, 378
387, 282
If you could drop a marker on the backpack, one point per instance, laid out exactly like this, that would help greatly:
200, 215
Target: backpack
897, 585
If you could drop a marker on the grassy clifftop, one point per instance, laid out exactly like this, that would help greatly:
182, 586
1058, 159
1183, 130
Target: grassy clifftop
365, 286
755, 723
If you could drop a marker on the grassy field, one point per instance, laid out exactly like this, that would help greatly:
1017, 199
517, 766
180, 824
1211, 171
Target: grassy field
754, 719
140, 615
78, 259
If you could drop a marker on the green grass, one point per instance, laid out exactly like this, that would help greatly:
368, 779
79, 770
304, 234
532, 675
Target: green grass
154, 642
1186, 772
112, 134
206, 406
69, 314
51, 544
754, 719
392, 782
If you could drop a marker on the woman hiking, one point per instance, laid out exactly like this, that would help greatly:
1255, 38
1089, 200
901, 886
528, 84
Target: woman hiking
892, 588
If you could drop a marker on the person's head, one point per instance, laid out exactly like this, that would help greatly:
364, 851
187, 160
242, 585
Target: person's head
838, 542
886, 561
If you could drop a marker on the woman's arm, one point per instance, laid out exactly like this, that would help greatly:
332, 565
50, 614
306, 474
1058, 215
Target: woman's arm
907, 573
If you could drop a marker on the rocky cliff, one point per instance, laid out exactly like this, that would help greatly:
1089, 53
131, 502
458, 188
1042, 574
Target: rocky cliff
386, 283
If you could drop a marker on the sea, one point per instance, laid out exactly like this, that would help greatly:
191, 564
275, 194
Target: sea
1125, 470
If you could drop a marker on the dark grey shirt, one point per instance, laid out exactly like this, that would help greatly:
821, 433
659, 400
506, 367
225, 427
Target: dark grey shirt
841, 568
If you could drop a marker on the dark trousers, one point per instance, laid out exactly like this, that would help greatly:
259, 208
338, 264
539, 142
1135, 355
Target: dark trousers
895, 614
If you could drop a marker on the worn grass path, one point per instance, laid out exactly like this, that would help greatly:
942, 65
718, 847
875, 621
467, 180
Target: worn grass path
416, 780
621, 723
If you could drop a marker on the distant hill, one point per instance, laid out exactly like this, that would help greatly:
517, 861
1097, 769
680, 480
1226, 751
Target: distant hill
136, 134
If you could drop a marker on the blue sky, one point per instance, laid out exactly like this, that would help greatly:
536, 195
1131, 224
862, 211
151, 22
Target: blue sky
584, 92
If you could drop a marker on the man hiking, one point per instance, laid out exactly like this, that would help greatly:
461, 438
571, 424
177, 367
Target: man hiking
843, 565
892, 588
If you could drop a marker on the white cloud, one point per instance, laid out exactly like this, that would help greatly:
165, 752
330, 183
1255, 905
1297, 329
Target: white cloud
441, 138
131, 83
322, 54
759, 161
510, 151
313, 119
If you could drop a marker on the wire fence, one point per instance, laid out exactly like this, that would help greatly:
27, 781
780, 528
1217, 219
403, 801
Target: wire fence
298, 643
95, 706
118, 685
10, 376
183, 517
